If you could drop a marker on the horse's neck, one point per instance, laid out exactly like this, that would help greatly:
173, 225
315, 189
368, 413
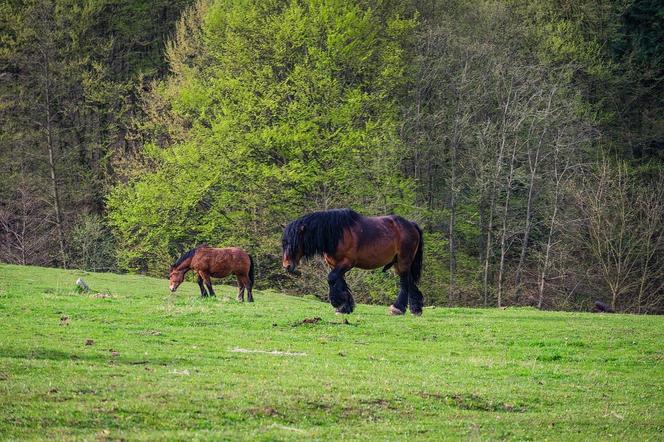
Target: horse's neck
185, 265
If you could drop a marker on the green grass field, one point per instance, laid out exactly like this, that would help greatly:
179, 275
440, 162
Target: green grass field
144, 364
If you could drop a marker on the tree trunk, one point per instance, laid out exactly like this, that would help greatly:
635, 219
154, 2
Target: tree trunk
547, 253
55, 191
533, 165
503, 238
492, 204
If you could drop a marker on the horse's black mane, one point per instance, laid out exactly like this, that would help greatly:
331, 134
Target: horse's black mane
188, 254
322, 232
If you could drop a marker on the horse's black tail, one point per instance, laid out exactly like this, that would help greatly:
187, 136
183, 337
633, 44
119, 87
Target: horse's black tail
416, 266
251, 270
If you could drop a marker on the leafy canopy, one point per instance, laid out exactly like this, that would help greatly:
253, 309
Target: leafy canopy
274, 109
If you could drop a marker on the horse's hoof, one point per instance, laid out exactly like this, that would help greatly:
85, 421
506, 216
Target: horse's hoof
345, 309
416, 313
395, 311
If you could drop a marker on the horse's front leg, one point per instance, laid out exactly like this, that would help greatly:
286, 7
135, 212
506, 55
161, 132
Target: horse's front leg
399, 306
340, 296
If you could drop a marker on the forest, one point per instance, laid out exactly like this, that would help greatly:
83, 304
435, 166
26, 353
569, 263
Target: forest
525, 138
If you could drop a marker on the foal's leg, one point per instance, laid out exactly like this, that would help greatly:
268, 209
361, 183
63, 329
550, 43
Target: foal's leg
340, 296
250, 291
200, 284
208, 284
246, 282
240, 286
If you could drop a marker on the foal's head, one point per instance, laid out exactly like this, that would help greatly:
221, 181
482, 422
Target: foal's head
175, 278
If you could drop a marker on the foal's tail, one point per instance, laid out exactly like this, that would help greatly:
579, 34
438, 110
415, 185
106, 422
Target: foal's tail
251, 270
416, 266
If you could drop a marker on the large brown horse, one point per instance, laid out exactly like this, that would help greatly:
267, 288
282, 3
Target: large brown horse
346, 239
218, 263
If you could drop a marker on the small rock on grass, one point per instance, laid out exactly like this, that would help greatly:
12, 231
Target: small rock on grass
82, 286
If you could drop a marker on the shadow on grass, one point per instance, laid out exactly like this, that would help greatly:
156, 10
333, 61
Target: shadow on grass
57, 355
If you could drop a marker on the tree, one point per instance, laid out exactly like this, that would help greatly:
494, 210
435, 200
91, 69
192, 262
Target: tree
70, 70
622, 232
281, 109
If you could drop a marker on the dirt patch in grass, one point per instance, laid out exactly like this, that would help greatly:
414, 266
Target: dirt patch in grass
263, 412
474, 402
314, 320
373, 409
317, 405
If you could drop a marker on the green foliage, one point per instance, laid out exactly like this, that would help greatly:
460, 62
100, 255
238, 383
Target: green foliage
249, 113
70, 72
92, 245
289, 108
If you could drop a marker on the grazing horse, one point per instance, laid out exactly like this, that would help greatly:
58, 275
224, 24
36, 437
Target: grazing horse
346, 239
209, 261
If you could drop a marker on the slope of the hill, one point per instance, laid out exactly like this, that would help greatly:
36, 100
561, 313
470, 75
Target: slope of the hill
130, 360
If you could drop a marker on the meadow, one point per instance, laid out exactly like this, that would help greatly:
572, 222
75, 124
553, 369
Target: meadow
129, 360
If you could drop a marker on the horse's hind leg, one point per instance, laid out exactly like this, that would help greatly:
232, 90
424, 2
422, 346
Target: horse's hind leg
245, 284
200, 285
250, 292
240, 286
208, 284
415, 299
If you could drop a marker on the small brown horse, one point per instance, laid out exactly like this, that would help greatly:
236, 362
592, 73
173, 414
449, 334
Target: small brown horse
346, 239
212, 262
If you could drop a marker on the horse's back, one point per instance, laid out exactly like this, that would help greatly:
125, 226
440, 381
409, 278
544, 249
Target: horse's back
375, 241
395, 226
221, 262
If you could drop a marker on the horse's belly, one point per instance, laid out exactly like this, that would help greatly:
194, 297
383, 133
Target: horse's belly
376, 253
374, 260
368, 266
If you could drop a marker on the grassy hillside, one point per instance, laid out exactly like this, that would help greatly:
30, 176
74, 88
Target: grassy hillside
145, 364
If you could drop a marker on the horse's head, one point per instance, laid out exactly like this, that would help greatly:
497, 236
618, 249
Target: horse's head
292, 246
175, 278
